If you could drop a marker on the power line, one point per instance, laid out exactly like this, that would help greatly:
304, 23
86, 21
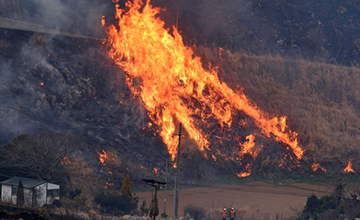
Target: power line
5, 175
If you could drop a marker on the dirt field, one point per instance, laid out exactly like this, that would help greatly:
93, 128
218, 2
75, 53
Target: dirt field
255, 198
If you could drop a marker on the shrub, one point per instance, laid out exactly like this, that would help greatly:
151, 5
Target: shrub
113, 202
164, 215
195, 212
126, 187
144, 210
313, 206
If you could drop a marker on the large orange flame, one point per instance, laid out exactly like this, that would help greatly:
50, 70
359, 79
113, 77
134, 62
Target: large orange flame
173, 85
349, 168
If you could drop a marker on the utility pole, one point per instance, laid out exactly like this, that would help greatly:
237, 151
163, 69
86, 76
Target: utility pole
165, 186
176, 188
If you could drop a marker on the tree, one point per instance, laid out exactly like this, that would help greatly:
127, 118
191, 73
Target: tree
38, 156
126, 187
312, 207
20, 195
113, 202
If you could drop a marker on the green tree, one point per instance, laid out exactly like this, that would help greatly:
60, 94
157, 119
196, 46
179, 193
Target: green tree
20, 194
126, 187
113, 202
313, 207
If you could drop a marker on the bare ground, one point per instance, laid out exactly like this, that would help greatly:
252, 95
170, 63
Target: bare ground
255, 197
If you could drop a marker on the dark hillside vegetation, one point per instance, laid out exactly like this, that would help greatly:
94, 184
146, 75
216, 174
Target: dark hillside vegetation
326, 31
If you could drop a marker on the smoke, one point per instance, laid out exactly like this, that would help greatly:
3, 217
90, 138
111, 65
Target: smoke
62, 84
73, 16
233, 24
76, 17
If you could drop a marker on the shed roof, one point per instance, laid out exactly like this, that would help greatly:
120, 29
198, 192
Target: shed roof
27, 182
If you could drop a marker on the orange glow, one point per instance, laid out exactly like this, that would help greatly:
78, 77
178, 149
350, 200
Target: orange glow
281, 164
41, 84
245, 173
316, 165
349, 168
213, 156
104, 158
156, 170
65, 161
166, 76
249, 147
103, 21
107, 184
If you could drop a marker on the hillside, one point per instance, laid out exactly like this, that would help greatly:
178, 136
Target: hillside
291, 60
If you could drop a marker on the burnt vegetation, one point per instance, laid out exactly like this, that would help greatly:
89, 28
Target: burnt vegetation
62, 99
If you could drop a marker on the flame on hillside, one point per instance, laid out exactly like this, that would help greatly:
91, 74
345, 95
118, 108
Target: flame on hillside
349, 168
104, 159
102, 21
173, 85
65, 161
249, 147
316, 165
247, 171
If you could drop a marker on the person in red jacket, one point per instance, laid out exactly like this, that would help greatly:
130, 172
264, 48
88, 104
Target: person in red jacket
232, 214
224, 214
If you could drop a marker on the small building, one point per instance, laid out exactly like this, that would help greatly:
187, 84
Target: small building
36, 192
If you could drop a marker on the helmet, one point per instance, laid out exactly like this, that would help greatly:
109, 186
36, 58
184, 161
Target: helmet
232, 208
224, 209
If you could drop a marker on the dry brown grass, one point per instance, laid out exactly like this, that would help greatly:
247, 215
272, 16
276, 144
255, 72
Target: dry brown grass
321, 101
244, 213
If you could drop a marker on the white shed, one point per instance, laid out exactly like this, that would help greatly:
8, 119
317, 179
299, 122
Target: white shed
36, 192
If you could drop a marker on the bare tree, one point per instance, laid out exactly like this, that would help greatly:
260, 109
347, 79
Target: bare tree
41, 157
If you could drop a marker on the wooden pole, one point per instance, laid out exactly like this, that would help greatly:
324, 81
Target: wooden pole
155, 203
177, 177
165, 186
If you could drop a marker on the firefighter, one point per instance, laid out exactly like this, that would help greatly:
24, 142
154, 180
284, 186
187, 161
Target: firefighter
232, 214
224, 214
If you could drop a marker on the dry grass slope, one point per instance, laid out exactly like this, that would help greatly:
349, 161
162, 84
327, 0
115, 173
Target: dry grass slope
320, 100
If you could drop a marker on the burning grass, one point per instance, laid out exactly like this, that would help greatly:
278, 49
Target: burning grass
319, 101
158, 63
174, 87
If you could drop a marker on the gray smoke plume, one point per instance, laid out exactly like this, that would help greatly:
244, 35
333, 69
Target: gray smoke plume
77, 17
58, 83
